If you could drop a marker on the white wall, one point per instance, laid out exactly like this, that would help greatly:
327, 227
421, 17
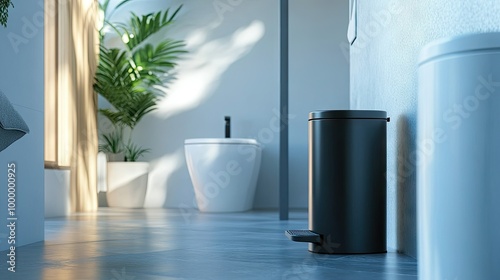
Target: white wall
22, 82
383, 76
233, 69
319, 78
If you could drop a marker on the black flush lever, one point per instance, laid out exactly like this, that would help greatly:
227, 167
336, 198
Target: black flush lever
227, 119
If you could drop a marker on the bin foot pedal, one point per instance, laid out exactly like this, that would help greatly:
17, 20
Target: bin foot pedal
303, 235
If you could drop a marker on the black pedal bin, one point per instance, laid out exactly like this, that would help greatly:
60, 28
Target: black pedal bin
347, 181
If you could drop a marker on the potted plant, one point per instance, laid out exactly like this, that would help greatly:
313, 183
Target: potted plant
132, 78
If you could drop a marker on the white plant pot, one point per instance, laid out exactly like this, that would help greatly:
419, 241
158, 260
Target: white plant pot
127, 184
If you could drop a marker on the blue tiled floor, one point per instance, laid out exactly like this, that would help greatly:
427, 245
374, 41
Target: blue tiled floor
119, 244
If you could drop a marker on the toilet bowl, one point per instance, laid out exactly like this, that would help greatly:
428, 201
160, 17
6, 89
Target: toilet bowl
224, 172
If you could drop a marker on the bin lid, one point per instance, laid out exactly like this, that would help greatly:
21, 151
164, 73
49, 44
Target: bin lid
348, 114
460, 44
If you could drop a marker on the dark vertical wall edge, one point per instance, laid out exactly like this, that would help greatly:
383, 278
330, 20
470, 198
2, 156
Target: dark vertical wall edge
283, 160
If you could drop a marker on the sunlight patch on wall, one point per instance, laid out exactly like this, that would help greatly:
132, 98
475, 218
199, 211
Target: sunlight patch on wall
160, 171
199, 74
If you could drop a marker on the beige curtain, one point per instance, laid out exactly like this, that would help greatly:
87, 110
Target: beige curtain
77, 103
50, 83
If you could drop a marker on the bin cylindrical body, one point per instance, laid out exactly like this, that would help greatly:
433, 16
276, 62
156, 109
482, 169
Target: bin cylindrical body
347, 181
458, 172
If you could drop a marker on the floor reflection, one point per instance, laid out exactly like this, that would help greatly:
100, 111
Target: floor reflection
168, 244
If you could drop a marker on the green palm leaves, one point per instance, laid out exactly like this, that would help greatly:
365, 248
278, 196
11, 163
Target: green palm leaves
133, 77
4, 11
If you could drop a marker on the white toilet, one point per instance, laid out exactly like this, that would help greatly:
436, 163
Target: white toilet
224, 172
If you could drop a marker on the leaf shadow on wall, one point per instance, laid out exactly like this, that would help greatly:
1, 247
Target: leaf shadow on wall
197, 79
